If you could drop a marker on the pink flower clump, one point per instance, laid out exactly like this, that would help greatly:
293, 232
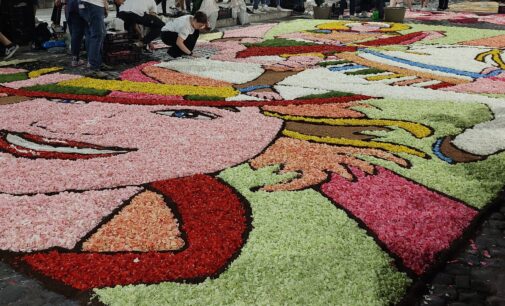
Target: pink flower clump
414, 223
493, 85
42, 80
136, 75
32, 223
11, 70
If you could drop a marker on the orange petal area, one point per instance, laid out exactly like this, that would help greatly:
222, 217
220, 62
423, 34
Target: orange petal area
146, 224
494, 42
314, 161
333, 110
171, 77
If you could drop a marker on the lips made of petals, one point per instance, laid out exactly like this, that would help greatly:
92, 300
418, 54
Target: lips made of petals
35, 146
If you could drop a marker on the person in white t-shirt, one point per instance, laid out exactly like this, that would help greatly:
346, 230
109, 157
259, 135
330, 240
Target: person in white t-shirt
140, 12
182, 33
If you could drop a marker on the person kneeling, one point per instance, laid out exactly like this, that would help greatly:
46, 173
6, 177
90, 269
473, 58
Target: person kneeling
140, 12
182, 33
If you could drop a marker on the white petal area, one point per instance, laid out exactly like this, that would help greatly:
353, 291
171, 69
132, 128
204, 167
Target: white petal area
483, 139
292, 92
218, 70
455, 57
244, 98
267, 59
18, 141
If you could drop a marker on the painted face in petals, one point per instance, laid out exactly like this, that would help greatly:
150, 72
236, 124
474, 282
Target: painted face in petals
47, 146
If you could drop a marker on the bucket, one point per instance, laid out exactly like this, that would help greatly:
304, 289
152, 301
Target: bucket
394, 14
322, 12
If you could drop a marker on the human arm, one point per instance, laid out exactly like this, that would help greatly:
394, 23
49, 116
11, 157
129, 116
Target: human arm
182, 46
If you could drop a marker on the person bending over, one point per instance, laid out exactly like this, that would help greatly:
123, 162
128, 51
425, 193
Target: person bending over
140, 12
182, 33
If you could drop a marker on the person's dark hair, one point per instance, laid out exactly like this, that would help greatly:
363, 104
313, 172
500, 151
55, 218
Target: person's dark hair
201, 17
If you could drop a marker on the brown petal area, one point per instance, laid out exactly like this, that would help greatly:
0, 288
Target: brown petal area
450, 150
314, 161
410, 82
146, 224
349, 132
167, 76
331, 110
12, 99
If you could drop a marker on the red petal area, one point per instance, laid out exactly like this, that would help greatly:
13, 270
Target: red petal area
56, 142
24, 152
440, 85
397, 40
168, 101
263, 51
214, 219
19, 151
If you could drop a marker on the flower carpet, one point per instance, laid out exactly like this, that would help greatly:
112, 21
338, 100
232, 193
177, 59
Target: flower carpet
301, 162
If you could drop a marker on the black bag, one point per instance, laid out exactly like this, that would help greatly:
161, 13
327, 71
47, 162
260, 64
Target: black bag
19, 20
40, 36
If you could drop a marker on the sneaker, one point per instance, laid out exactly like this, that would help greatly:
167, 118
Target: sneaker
105, 67
279, 8
77, 63
9, 51
96, 74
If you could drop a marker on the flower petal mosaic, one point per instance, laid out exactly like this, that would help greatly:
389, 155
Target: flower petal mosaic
299, 162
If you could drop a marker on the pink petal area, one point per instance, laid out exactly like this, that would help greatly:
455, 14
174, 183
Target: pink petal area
413, 222
11, 70
42, 80
254, 31
32, 223
136, 75
229, 49
494, 85
120, 94
163, 146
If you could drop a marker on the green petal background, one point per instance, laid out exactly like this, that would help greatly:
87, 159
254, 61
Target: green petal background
302, 250
476, 183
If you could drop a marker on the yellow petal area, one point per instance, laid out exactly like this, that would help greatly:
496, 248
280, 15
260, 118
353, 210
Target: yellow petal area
39, 72
342, 26
495, 55
152, 88
384, 77
210, 36
416, 129
356, 143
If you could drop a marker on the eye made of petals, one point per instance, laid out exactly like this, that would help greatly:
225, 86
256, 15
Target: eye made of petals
67, 101
188, 114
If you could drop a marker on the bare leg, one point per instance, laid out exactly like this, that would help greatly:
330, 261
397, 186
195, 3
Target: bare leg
4, 40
